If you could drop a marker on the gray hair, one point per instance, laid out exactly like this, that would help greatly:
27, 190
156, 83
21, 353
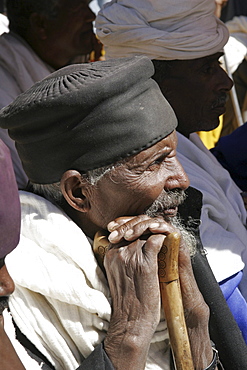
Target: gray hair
53, 192
19, 12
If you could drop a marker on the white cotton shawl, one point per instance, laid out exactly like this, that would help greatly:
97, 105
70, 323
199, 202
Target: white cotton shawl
160, 29
61, 302
223, 217
4, 23
20, 68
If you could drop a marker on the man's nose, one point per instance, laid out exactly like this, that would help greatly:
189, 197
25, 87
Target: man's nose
7, 285
183, 179
179, 178
226, 82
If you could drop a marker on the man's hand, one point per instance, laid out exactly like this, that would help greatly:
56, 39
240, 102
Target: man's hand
132, 272
219, 5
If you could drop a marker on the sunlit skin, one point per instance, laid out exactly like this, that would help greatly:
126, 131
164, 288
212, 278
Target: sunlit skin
133, 186
6, 283
131, 262
9, 358
197, 90
57, 41
6, 287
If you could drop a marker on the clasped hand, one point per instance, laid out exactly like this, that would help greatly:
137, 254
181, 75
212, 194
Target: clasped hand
132, 273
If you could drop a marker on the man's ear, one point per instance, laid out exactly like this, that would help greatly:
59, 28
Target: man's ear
75, 190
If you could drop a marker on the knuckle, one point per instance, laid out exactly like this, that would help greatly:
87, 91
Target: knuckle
155, 240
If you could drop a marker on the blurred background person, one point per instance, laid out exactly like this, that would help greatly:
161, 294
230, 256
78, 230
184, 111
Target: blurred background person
44, 36
233, 8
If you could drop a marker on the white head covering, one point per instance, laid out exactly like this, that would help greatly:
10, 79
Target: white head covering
161, 29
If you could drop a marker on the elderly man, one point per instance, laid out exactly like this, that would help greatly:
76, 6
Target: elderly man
44, 36
185, 40
98, 144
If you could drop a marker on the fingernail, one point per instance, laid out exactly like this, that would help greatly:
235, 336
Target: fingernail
128, 234
112, 225
113, 236
154, 225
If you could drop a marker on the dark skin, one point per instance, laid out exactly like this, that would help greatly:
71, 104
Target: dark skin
197, 91
131, 262
58, 41
9, 358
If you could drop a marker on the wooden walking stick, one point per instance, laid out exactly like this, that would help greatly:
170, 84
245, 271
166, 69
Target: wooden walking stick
171, 297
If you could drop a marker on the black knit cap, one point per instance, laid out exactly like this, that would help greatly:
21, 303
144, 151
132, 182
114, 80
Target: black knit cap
87, 116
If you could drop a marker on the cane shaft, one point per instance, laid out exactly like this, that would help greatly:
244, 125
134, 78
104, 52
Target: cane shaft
171, 299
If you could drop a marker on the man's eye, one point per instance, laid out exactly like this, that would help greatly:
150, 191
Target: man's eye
157, 162
211, 68
208, 70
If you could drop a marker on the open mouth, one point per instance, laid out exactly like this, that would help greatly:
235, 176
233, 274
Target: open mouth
171, 212
164, 212
166, 205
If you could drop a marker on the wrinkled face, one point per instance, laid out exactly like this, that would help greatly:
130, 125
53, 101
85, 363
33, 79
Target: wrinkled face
6, 285
71, 33
131, 188
197, 91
